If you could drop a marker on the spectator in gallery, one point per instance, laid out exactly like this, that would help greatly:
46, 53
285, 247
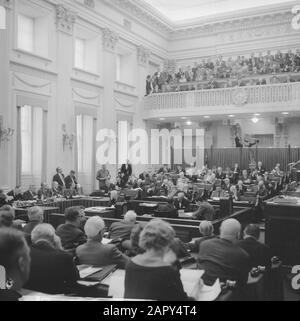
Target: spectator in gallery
70, 233
52, 269
15, 258
93, 252
31, 194
148, 275
59, 177
122, 229
222, 258
16, 194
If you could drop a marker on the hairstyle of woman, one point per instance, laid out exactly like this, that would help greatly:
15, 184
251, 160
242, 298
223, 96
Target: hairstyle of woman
157, 235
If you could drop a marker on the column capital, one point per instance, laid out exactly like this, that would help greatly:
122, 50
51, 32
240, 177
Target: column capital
8, 4
65, 19
110, 39
143, 55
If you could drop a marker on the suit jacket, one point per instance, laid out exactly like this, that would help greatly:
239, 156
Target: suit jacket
98, 254
56, 178
120, 230
205, 212
52, 271
260, 254
184, 205
126, 171
17, 197
169, 210
261, 170
224, 260
28, 196
28, 228
69, 181
71, 236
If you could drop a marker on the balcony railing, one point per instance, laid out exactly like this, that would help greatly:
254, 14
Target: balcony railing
285, 95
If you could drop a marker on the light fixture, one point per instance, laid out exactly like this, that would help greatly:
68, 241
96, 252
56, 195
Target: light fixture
231, 116
256, 115
189, 123
285, 113
161, 118
183, 118
68, 139
5, 133
206, 117
255, 120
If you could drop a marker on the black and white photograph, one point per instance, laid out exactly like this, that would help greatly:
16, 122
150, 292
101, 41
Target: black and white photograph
150, 152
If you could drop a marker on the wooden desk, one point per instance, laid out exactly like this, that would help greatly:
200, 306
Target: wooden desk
283, 230
22, 213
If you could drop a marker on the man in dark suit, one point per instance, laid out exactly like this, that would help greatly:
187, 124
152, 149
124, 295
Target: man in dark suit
36, 217
168, 209
260, 169
222, 259
126, 171
182, 203
15, 258
205, 210
3, 198
52, 270
70, 233
260, 254
30, 195
122, 229
94, 252
71, 181
16, 194
59, 177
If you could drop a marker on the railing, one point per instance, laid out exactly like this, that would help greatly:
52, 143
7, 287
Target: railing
195, 101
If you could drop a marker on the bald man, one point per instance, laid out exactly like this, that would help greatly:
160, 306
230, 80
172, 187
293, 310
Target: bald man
222, 258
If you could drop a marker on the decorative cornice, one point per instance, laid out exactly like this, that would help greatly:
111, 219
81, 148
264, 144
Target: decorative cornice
143, 55
8, 4
110, 39
241, 20
65, 19
146, 14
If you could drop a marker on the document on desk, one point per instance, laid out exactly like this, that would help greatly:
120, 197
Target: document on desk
117, 284
86, 272
207, 293
189, 279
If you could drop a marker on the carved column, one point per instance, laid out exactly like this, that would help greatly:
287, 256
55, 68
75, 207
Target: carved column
107, 117
64, 113
65, 19
143, 55
7, 158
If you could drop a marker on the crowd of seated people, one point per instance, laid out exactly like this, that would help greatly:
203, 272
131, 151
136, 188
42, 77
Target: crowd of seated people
149, 254
230, 72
